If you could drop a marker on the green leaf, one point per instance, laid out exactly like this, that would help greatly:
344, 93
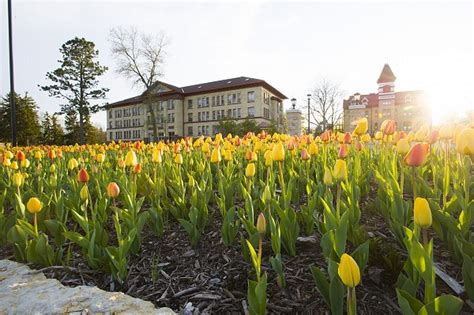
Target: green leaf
442, 305
322, 283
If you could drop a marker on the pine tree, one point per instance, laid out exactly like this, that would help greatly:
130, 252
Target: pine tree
75, 81
27, 122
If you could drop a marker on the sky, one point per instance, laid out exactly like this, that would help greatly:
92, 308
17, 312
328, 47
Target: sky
291, 45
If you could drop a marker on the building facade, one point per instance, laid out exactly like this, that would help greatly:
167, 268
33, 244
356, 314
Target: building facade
193, 110
407, 108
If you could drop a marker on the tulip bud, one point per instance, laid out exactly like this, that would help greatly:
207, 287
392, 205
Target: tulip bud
305, 155
422, 213
156, 156
9, 155
388, 127
228, 155
417, 155
53, 180
17, 179
178, 159
216, 155
20, 156
191, 181
51, 154
205, 148
361, 127
52, 168
313, 148
327, 177
14, 165
38, 155
268, 158
250, 170
33, 205
72, 164
120, 163
343, 151
465, 141
25, 163
359, 146
267, 195
347, 138
83, 176
378, 135
340, 170
137, 169
113, 190
278, 152
100, 157
261, 224
131, 159
84, 193
348, 271
6, 162
403, 146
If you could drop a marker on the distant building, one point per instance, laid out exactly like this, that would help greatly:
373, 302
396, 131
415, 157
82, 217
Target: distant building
194, 110
407, 108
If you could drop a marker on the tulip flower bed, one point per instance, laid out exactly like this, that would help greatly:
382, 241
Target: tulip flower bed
264, 223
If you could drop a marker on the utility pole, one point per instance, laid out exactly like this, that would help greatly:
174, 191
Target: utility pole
12, 85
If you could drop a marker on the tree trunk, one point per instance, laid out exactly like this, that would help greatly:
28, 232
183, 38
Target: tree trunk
81, 126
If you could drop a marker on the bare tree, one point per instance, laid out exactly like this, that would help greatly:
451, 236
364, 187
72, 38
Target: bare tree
140, 58
326, 105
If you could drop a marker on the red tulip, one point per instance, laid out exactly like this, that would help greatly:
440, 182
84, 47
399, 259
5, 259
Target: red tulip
417, 155
20, 156
83, 176
343, 150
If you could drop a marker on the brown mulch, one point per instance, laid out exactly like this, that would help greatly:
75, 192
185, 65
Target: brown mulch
212, 278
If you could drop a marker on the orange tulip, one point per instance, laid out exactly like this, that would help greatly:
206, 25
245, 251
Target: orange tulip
20, 156
347, 138
417, 155
113, 190
305, 155
137, 168
388, 126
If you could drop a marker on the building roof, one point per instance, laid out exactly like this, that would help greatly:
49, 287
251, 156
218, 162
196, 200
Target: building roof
386, 75
373, 98
207, 87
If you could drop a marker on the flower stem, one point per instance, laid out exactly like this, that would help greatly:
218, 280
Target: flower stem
338, 199
351, 301
36, 224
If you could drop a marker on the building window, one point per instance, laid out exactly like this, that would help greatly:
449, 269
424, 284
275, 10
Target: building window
110, 113
190, 131
229, 113
170, 104
213, 115
251, 97
266, 113
110, 125
190, 117
190, 104
111, 135
170, 117
251, 111
238, 113
266, 98
207, 116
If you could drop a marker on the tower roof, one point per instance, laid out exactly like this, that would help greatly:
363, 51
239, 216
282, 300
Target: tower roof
386, 75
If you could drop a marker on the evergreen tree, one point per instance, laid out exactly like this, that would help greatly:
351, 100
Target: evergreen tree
27, 122
57, 132
46, 129
75, 82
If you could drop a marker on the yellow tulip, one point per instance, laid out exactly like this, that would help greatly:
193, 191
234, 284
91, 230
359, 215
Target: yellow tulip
348, 271
25, 163
361, 127
250, 170
422, 213
34, 205
403, 146
465, 141
14, 165
216, 155
378, 135
6, 162
100, 157
261, 224
38, 155
228, 155
205, 148
278, 153
72, 164
84, 193
156, 156
340, 170
313, 149
268, 158
178, 159
327, 177
17, 179
131, 158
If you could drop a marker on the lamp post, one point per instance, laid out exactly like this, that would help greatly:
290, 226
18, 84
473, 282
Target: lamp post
293, 102
12, 87
309, 114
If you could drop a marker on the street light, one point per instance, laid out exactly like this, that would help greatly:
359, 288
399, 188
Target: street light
309, 112
293, 102
12, 86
